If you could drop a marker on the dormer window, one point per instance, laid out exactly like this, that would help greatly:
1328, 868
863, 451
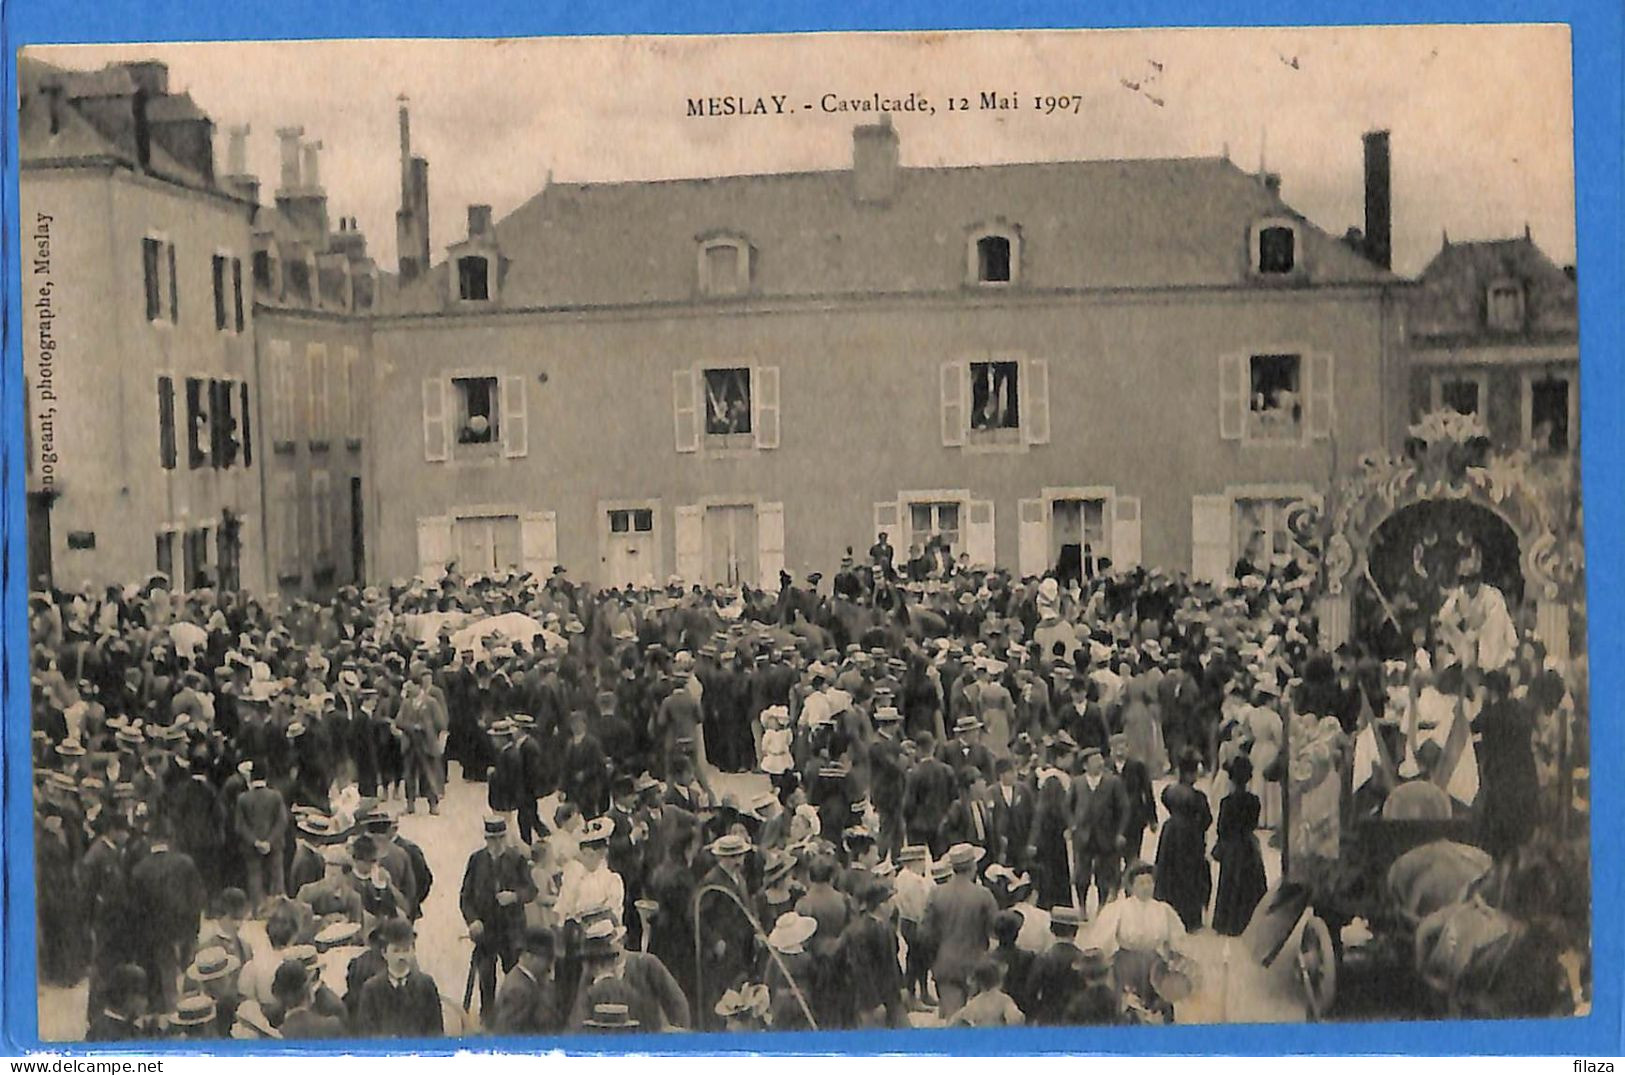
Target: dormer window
1273, 248
473, 278
724, 265
1504, 307
994, 256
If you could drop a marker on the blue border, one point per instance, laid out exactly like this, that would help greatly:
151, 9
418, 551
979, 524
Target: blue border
1599, 88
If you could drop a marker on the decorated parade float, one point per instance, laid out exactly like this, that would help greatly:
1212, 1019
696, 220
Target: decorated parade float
1388, 905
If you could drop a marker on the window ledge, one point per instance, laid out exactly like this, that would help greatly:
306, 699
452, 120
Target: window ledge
283, 447
294, 579
353, 443
319, 445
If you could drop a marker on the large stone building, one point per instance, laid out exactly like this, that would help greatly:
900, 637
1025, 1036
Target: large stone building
138, 336
720, 378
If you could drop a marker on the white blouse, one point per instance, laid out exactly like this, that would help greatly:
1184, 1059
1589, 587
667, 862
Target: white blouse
1135, 924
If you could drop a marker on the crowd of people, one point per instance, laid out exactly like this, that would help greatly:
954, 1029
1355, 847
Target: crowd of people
964, 773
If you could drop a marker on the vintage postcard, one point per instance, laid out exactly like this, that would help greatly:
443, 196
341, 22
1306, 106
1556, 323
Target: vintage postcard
552, 537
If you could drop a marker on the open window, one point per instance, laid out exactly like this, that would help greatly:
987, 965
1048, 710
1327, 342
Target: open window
1275, 399
473, 278
477, 414
995, 400
1274, 248
727, 402
1464, 393
1550, 413
993, 258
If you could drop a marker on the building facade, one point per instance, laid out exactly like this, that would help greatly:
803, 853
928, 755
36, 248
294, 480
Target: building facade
1493, 330
142, 402
314, 288
720, 379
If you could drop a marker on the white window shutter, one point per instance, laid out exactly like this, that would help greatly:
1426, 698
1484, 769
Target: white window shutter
764, 401
286, 507
770, 543
514, 417
281, 391
1321, 404
887, 520
690, 536
1232, 395
980, 541
1125, 551
539, 543
1210, 538
434, 546
317, 355
955, 387
1035, 401
1032, 538
685, 408
436, 420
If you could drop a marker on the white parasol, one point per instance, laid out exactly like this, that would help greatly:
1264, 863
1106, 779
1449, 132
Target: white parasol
510, 626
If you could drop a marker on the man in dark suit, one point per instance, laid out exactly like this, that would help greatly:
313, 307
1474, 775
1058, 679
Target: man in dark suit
292, 987
528, 1001
261, 825
125, 997
539, 778
888, 774
1142, 805
959, 921
970, 819
966, 747
496, 886
626, 848
402, 1002
1012, 814
166, 909
1099, 808
928, 792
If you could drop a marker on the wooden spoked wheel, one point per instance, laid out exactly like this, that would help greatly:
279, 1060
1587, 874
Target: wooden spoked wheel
1317, 967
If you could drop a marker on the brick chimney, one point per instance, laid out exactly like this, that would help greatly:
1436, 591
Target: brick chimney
874, 161
311, 177
1378, 200
238, 179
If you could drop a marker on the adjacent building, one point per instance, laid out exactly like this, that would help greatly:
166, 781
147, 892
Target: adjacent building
1493, 330
314, 287
720, 378
142, 401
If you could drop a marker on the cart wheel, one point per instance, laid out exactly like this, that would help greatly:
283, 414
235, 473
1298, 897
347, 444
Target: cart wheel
1317, 967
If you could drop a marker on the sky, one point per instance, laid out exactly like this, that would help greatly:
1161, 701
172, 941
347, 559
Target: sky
1481, 117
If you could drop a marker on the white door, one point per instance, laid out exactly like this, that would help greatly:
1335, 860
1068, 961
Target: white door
630, 548
730, 545
475, 545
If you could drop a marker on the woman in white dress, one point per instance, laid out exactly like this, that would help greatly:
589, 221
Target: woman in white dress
1140, 935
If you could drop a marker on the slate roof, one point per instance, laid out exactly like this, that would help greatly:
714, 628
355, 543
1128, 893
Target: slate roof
80, 140
1083, 225
1448, 305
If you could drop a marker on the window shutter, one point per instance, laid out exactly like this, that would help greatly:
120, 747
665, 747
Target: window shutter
279, 390
341, 392
247, 428
1032, 546
887, 521
287, 530
690, 534
321, 520
1210, 538
955, 385
436, 421
764, 399
434, 547
1125, 551
980, 541
514, 417
685, 409
166, 423
316, 362
770, 543
1035, 401
539, 543
1232, 395
174, 292
1321, 408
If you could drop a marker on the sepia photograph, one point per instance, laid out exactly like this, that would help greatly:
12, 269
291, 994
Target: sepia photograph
553, 537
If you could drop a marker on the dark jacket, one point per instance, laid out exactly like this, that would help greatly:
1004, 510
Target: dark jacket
525, 1005
410, 1011
482, 880
1099, 817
